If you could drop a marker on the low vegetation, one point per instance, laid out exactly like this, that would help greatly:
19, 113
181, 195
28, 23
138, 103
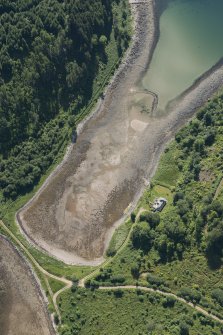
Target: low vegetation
129, 312
180, 249
118, 238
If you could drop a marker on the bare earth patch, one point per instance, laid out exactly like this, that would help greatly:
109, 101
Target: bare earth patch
75, 213
22, 308
207, 175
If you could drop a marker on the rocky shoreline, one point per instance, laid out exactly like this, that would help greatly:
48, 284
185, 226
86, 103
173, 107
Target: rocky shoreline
143, 15
160, 130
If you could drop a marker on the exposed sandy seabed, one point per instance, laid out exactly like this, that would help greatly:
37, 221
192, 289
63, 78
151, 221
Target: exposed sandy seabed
22, 307
76, 211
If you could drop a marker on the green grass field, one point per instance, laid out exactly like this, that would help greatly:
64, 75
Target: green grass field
168, 171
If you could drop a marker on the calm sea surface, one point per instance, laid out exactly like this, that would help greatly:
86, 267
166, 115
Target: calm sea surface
191, 42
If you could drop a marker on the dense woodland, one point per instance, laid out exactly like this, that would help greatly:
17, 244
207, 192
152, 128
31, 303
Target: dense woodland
50, 52
196, 215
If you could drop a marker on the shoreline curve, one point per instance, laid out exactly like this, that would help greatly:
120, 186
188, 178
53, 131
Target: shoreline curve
182, 109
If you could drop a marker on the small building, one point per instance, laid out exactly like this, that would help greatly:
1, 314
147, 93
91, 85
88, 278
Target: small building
159, 204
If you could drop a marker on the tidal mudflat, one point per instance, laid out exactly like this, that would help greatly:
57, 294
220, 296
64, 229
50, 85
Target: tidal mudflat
74, 214
22, 308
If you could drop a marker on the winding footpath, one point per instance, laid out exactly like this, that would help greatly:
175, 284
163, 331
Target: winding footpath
143, 288
68, 284
107, 261
165, 294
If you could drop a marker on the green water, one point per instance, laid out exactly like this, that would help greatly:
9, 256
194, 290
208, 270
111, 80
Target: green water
191, 42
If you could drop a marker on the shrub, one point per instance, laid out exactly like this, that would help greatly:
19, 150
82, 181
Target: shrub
199, 144
210, 137
104, 275
111, 252
178, 196
182, 207
118, 279
141, 298
141, 236
184, 329
154, 280
214, 240
118, 293
217, 294
87, 283
103, 40
133, 217
169, 301
153, 219
56, 319
189, 294
94, 284
74, 284
135, 270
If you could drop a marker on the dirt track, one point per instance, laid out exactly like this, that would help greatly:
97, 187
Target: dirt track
165, 294
22, 307
74, 215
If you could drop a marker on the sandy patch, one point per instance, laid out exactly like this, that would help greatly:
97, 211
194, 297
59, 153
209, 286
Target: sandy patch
138, 125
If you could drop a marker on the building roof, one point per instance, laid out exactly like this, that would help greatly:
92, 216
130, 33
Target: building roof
159, 203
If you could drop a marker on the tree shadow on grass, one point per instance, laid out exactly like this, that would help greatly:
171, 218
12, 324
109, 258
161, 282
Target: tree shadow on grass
214, 259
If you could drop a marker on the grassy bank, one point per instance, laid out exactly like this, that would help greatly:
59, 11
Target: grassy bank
119, 238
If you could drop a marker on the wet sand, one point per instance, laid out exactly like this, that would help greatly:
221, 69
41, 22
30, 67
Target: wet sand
22, 307
74, 214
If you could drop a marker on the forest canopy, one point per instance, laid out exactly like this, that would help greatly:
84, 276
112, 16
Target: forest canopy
50, 52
